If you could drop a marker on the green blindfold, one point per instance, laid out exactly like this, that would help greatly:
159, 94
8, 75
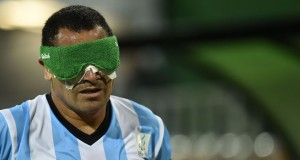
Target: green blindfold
66, 62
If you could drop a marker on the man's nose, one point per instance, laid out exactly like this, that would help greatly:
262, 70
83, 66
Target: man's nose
91, 76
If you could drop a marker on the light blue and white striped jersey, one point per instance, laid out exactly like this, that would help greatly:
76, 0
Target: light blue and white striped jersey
31, 131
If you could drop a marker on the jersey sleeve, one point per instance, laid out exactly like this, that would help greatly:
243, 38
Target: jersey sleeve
5, 140
159, 146
163, 146
165, 151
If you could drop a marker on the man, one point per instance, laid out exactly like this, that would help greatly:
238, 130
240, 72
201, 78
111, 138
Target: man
80, 119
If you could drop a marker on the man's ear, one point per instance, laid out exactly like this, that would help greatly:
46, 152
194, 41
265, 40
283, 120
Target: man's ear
41, 62
47, 74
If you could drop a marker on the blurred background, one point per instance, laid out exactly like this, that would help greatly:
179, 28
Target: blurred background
223, 75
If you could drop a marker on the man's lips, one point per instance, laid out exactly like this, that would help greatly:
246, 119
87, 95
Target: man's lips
90, 90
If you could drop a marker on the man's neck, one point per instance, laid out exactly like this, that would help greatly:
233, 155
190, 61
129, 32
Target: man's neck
87, 122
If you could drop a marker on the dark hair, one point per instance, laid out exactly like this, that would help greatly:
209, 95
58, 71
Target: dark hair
75, 18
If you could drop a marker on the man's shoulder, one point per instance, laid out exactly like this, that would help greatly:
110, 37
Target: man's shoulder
12, 117
131, 106
129, 109
17, 109
21, 110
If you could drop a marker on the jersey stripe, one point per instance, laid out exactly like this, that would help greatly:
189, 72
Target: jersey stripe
21, 115
151, 123
41, 138
5, 152
161, 133
128, 122
12, 131
66, 145
113, 140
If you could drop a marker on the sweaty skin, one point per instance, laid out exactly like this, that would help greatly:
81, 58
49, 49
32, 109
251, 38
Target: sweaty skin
64, 36
84, 106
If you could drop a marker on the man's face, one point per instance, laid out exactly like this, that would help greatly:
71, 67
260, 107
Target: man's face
93, 91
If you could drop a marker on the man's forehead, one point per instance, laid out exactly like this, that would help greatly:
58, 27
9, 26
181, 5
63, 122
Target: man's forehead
67, 37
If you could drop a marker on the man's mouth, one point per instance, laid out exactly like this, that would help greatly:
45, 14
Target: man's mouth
90, 90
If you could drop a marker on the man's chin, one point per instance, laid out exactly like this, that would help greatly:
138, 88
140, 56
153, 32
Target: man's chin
90, 105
